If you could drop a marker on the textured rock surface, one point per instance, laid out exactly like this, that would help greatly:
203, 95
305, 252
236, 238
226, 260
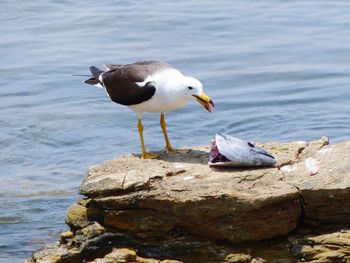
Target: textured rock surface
128, 255
326, 194
170, 207
334, 247
151, 197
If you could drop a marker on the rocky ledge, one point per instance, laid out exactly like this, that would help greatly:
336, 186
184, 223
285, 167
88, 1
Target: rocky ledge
177, 207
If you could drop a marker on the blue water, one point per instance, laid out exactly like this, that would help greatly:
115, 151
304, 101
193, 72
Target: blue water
276, 70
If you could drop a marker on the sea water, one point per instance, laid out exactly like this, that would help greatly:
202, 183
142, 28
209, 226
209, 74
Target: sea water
276, 70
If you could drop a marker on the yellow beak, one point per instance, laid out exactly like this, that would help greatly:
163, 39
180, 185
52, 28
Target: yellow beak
204, 100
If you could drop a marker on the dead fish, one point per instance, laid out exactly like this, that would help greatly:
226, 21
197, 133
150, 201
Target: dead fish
227, 150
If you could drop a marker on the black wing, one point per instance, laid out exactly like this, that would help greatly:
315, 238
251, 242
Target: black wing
121, 87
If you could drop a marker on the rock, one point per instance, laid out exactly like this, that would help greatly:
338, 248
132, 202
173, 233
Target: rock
76, 216
237, 205
326, 194
93, 230
82, 213
55, 253
66, 235
238, 258
177, 207
261, 260
118, 255
145, 223
334, 247
125, 255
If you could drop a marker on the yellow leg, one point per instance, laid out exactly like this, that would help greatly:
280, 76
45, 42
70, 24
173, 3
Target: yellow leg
145, 154
167, 142
168, 146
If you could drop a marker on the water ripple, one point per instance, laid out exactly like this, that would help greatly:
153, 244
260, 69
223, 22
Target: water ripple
276, 70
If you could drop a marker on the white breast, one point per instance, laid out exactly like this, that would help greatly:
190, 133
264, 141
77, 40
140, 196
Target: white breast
169, 94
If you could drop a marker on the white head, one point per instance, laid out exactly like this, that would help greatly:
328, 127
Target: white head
179, 85
194, 88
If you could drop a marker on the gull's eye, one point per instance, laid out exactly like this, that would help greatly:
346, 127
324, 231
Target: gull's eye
190, 87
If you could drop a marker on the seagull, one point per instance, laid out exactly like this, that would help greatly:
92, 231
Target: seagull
149, 86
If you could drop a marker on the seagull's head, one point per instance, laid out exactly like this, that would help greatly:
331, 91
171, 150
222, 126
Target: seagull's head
194, 89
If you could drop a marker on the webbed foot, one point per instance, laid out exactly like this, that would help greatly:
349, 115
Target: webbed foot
147, 155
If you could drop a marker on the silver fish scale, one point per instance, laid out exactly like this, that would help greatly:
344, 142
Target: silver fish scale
241, 153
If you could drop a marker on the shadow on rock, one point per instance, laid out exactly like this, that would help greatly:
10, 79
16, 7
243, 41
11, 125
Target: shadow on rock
193, 156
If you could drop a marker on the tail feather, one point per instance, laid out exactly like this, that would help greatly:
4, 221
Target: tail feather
96, 72
94, 80
91, 81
